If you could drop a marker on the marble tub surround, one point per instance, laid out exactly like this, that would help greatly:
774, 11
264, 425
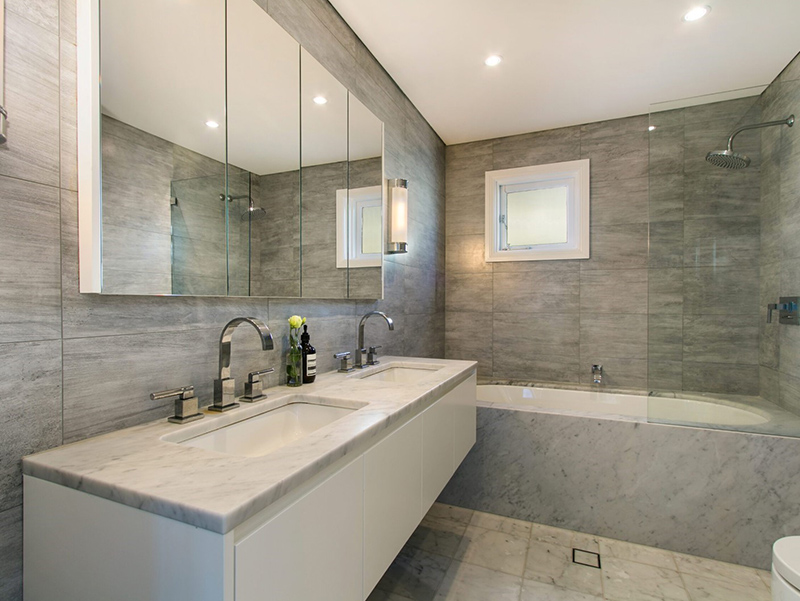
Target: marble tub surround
139, 468
459, 554
717, 494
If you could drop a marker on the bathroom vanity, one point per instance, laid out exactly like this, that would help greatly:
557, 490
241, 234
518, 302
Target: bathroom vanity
307, 495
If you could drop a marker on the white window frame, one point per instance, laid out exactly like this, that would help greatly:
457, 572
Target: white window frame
572, 174
348, 227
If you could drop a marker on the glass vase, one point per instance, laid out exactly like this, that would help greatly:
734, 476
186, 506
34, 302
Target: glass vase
294, 364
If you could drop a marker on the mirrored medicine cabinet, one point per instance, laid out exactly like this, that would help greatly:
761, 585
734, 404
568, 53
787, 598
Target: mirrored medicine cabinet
218, 157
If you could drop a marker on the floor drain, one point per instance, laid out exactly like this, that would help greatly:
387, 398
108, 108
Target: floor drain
586, 558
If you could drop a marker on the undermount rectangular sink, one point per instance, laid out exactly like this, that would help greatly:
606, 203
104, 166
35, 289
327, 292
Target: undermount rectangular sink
402, 375
267, 432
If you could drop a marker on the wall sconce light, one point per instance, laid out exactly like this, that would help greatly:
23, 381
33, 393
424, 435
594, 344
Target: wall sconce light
398, 208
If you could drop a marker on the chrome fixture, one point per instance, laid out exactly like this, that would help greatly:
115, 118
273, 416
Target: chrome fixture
344, 362
225, 385
253, 213
729, 159
254, 387
398, 209
360, 349
788, 310
597, 374
372, 355
185, 404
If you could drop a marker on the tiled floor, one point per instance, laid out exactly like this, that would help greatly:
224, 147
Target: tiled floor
463, 555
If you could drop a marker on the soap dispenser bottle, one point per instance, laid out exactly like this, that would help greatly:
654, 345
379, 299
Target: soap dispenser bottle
309, 357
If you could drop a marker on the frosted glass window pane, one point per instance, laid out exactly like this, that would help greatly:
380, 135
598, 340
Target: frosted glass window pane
371, 230
537, 217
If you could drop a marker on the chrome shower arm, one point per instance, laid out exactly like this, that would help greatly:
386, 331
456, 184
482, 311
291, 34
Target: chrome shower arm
788, 121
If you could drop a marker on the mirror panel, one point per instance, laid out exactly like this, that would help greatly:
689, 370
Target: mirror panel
323, 107
163, 79
263, 154
196, 180
365, 202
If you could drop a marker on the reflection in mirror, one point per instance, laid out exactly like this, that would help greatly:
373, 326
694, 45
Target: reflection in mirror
163, 145
263, 154
364, 233
324, 171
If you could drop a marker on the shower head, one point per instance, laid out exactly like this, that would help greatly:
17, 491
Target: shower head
253, 213
728, 159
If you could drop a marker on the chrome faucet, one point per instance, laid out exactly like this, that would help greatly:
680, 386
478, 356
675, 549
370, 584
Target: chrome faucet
225, 386
361, 349
597, 374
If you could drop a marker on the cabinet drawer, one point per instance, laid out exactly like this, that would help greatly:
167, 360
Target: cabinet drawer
438, 465
392, 498
312, 550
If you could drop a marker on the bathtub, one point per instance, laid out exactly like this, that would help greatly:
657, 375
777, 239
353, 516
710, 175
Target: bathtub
692, 411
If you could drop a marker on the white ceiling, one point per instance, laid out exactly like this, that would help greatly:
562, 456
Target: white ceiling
163, 71
567, 62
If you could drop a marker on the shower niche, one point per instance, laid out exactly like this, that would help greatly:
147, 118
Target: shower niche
215, 157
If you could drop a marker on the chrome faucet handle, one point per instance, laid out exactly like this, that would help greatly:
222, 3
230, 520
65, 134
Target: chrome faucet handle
344, 365
254, 387
372, 355
186, 409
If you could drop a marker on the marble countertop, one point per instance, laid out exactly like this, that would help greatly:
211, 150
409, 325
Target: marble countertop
217, 492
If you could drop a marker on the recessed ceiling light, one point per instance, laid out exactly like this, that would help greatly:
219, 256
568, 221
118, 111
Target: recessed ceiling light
212, 124
651, 128
493, 60
320, 100
698, 12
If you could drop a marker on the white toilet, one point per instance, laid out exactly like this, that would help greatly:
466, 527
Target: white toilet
786, 569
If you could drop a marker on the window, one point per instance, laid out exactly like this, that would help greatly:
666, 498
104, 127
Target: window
538, 213
359, 227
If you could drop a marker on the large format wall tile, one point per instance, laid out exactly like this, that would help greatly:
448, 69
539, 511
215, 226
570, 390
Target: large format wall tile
32, 101
11, 553
30, 409
30, 295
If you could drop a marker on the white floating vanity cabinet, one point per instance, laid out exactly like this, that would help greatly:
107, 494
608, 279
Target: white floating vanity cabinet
330, 540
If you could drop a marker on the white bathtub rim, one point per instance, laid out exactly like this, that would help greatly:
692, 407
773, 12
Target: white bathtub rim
780, 422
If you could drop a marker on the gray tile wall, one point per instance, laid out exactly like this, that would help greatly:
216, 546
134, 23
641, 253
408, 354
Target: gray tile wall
779, 350
670, 239
76, 365
704, 252
551, 320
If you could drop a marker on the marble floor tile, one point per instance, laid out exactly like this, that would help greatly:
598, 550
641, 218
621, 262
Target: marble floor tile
450, 512
415, 574
466, 582
717, 570
706, 589
494, 550
463, 555
539, 591
552, 564
489, 521
549, 534
630, 581
639, 553
438, 535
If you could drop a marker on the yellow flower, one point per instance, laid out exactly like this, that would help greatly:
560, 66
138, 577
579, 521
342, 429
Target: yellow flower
296, 322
